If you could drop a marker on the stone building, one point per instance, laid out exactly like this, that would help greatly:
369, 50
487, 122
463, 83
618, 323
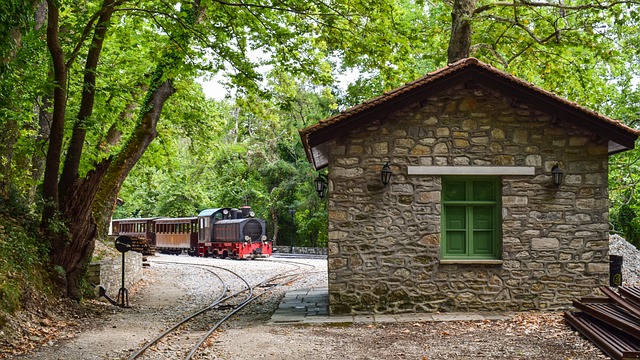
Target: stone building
471, 219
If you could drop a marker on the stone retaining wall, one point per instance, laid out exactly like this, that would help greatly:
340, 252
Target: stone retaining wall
300, 250
384, 243
108, 272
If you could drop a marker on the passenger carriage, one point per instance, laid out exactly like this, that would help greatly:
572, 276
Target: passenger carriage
141, 231
222, 232
177, 235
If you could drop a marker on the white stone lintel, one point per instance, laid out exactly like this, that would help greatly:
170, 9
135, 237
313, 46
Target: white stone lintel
471, 170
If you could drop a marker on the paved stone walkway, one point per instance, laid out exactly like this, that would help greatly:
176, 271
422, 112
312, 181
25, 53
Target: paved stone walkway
310, 306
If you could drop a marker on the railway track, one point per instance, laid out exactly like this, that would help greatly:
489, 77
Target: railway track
195, 329
281, 255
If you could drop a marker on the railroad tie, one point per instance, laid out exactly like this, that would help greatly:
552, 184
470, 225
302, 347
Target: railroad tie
612, 323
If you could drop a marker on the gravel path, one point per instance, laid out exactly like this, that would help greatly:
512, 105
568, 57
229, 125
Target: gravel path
171, 291
630, 259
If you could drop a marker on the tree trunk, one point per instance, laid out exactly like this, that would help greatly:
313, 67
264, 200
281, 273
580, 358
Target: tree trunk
159, 91
76, 146
56, 136
73, 250
40, 13
460, 40
125, 161
90, 198
78, 207
274, 221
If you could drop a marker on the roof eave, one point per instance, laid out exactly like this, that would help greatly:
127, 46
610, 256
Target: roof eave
470, 69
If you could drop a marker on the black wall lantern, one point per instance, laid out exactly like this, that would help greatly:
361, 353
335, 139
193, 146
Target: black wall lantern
385, 174
320, 184
557, 175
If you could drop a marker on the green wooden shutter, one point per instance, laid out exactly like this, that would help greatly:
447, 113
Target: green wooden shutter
456, 229
470, 218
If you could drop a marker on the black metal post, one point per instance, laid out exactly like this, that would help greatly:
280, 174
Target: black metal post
615, 270
123, 244
123, 293
293, 227
123, 262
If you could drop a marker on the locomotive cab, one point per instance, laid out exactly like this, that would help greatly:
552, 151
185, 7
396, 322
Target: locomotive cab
206, 219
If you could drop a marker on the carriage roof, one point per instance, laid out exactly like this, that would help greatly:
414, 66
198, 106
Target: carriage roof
176, 220
135, 220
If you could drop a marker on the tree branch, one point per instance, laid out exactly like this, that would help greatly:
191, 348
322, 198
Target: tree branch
597, 5
87, 30
74, 153
523, 27
493, 51
269, 7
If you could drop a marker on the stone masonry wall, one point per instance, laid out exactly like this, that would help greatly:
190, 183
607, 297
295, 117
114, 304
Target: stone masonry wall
384, 243
108, 272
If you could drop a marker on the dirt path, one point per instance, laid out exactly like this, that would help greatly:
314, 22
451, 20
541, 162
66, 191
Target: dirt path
527, 336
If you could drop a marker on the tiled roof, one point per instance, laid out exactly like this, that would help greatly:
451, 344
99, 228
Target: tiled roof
443, 74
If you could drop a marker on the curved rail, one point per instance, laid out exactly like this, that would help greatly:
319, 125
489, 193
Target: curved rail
246, 301
288, 262
216, 302
231, 313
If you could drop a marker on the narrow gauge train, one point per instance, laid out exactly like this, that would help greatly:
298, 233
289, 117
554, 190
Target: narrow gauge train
223, 232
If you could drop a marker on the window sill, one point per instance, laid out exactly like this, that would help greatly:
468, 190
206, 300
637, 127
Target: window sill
471, 262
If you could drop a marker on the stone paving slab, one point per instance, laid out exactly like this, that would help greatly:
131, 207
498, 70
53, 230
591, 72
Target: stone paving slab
310, 306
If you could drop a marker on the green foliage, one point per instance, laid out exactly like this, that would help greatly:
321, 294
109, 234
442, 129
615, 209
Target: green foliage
14, 18
283, 58
9, 295
252, 154
624, 180
22, 264
214, 154
398, 42
14, 203
20, 87
626, 220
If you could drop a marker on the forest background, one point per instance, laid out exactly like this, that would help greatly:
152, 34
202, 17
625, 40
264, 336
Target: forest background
101, 100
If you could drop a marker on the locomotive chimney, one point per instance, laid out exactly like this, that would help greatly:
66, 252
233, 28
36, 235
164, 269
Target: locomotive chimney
246, 211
